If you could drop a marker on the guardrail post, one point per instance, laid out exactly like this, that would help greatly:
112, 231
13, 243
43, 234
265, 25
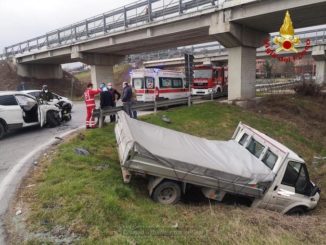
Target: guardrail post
104, 24
125, 17
100, 121
86, 25
47, 40
180, 7
155, 106
59, 41
149, 10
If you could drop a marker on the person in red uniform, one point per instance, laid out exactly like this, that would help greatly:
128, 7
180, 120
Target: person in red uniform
89, 96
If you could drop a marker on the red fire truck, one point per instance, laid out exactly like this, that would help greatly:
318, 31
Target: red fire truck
210, 79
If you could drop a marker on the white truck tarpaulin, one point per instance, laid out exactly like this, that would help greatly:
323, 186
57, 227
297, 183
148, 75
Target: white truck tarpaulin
225, 160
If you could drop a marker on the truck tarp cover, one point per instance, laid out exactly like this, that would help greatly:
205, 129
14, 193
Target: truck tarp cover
225, 160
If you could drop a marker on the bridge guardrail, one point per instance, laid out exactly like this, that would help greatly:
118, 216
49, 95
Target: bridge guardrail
317, 36
132, 15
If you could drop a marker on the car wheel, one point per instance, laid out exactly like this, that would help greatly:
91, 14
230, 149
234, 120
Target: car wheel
52, 119
167, 192
2, 131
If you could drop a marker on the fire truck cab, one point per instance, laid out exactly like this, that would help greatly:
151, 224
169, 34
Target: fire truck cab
151, 84
209, 79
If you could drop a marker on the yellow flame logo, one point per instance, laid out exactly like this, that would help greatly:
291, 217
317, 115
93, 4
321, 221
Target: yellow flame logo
287, 40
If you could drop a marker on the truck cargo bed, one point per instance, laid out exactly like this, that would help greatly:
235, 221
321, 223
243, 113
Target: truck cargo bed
223, 165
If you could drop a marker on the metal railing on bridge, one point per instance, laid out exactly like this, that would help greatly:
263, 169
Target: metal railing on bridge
136, 14
316, 36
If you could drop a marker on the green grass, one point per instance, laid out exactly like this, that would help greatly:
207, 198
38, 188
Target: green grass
83, 76
97, 206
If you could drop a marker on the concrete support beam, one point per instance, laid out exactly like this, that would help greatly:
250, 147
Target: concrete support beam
96, 59
232, 35
242, 73
101, 74
319, 55
40, 71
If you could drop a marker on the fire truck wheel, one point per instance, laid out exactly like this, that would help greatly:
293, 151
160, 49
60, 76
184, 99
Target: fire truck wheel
167, 192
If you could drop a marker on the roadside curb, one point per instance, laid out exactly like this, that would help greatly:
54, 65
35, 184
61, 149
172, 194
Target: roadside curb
9, 185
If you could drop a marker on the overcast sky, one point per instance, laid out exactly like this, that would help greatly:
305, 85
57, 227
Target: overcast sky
24, 19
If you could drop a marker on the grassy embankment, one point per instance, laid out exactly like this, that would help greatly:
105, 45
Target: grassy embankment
84, 198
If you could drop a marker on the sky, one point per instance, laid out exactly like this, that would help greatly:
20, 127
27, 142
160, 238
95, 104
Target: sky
24, 19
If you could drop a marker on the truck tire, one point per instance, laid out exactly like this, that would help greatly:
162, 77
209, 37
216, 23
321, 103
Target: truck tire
2, 131
297, 211
167, 192
52, 119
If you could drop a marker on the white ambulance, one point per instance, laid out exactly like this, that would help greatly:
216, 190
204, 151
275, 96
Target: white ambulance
160, 84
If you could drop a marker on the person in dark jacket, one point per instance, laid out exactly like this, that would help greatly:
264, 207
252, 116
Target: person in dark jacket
115, 96
45, 94
105, 99
126, 98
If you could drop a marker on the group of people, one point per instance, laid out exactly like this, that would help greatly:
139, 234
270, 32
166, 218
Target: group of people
108, 98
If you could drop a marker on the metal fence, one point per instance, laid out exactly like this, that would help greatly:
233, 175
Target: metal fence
272, 87
136, 14
155, 105
266, 88
317, 36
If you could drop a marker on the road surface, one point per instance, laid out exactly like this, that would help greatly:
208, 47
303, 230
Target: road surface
17, 145
16, 148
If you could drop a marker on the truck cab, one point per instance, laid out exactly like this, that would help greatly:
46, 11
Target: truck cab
292, 191
209, 79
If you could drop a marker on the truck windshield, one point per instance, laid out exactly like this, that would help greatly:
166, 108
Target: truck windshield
202, 73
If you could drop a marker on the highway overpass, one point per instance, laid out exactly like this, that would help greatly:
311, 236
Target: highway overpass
105, 40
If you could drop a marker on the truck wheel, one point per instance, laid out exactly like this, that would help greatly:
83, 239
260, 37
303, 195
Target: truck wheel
53, 119
167, 192
296, 211
2, 131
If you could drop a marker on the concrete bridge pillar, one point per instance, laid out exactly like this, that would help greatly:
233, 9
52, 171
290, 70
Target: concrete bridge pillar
241, 43
242, 73
101, 65
319, 55
101, 74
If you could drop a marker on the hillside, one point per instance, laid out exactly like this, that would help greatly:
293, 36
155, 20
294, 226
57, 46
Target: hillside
9, 80
82, 199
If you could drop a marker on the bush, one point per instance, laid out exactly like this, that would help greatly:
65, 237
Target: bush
308, 89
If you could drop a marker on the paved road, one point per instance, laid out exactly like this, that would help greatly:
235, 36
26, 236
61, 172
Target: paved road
17, 145
16, 148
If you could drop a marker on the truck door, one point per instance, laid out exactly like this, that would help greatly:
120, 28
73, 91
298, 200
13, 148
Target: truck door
294, 186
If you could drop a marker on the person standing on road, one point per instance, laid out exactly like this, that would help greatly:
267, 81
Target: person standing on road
89, 96
115, 95
126, 98
105, 99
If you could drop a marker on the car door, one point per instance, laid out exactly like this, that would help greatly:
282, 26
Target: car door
291, 188
10, 110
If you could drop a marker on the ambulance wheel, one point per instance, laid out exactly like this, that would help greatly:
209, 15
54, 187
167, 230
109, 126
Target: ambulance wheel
167, 192
52, 119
